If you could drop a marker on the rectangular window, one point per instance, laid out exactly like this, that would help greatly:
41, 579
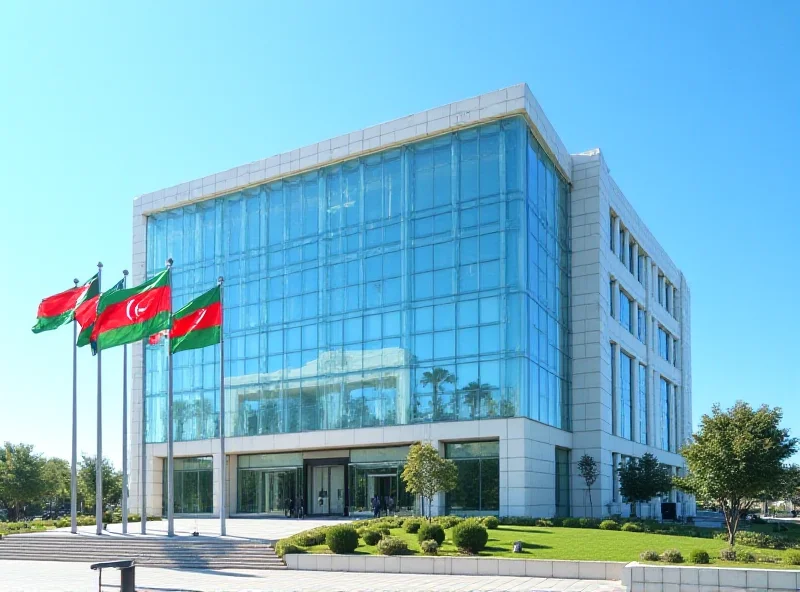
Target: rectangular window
642, 404
641, 325
674, 352
625, 304
626, 421
665, 414
614, 381
641, 269
631, 259
562, 483
663, 346
668, 297
661, 289
611, 297
622, 248
478, 489
611, 235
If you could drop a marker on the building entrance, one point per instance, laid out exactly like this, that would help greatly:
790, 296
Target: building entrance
326, 489
385, 487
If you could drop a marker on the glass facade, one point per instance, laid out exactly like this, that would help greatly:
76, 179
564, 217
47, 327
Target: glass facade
625, 305
665, 414
478, 489
423, 283
194, 481
377, 471
269, 483
626, 425
641, 325
663, 344
642, 404
562, 483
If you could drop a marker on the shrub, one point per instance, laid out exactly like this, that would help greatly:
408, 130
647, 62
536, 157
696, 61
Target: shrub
411, 526
727, 554
284, 547
746, 557
519, 521
392, 546
672, 556
470, 536
309, 538
630, 527
447, 521
544, 523
761, 540
429, 547
341, 539
609, 525
588, 523
571, 523
371, 537
649, 556
429, 532
792, 558
491, 522
699, 556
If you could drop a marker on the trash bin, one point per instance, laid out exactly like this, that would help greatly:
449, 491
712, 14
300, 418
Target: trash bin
127, 573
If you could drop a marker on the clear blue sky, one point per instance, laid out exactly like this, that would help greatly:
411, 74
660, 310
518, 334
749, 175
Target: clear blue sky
695, 104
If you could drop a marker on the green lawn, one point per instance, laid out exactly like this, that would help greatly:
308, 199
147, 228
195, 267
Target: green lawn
580, 544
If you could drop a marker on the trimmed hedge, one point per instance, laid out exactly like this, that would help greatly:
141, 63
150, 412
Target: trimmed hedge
429, 532
411, 526
447, 521
371, 537
609, 525
699, 556
392, 546
672, 556
792, 558
470, 536
491, 522
341, 539
429, 547
649, 556
630, 527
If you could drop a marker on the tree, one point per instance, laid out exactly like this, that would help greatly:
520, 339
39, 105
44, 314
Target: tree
587, 467
21, 479
426, 473
112, 482
437, 377
58, 481
738, 458
642, 479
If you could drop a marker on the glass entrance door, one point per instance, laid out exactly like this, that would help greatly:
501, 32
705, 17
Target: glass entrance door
326, 489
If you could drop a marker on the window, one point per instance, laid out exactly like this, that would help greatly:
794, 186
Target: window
661, 289
611, 297
622, 248
625, 304
614, 382
663, 343
626, 422
641, 324
674, 352
562, 483
611, 234
615, 477
478, 489
642, 274
665, 414
668, 297
192, 492
631, 259
642, 404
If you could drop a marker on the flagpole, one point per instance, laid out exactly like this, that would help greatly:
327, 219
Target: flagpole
222, 462
98, 503
125, 425
74, 476
143, 455
170, 435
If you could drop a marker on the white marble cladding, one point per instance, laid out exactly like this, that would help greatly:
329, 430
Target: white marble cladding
516, 99
643, 578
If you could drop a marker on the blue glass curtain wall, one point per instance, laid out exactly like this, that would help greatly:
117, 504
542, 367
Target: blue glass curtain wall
423, 283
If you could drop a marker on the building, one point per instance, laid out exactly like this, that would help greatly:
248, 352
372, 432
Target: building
454, 276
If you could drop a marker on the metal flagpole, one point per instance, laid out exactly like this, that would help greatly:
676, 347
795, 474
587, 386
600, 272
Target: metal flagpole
125, 425
170, 434
98, 492
74, 476
222, 464
143, 455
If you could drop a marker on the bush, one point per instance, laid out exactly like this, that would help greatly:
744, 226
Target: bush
746, 557
630, 527
609, 525
588, 523
491, 522
284, 548
557, 521
699, 556
571, 523
371, 537
792, 558
392, 546
429, 532
309, 538
761, 540
672, 556
429, 547
649, 556
411, 526
544, 523
728, 554
447, 521
470, 536
341, 539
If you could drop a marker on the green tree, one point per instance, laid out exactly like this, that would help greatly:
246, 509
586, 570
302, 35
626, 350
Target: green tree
21, 477
437, 377
641, 479
587, 467
58, 479
112, 482
737, 458
426, 473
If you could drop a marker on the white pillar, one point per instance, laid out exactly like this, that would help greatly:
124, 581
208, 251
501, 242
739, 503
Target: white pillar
657, 427
673, 424
647, 280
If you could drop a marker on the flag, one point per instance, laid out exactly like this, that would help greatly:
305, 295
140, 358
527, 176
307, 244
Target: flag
126, 316
86, 315
58, 310
197, 324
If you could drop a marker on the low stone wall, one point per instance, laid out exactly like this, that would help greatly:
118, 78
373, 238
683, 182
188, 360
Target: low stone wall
656, 578
484, 566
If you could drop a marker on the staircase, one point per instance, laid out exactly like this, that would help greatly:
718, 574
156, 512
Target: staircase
176, 553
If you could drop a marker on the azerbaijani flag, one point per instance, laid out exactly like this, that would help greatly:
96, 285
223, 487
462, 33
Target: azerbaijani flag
196, 325
126, 316
86, 314
59, 309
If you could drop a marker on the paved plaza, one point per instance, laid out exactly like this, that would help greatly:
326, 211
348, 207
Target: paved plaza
40, 576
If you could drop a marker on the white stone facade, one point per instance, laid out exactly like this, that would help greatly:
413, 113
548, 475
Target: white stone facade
527, 447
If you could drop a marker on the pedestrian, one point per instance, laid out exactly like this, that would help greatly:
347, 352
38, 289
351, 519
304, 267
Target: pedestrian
286, 507
301, 512
390, 505
376, 506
